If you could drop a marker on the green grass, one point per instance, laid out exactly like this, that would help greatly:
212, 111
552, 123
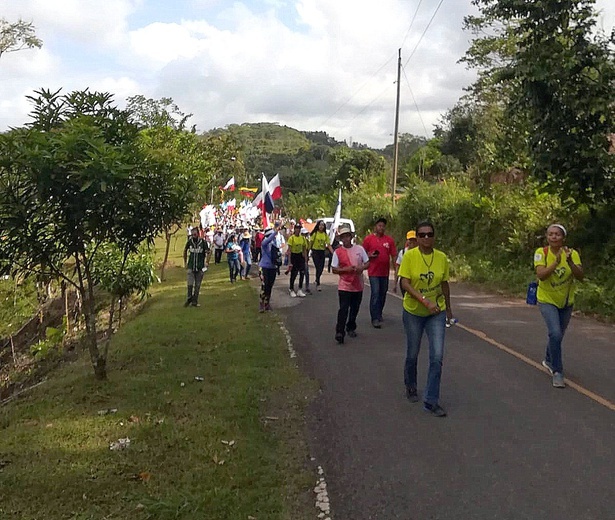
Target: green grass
17, 305
55, 447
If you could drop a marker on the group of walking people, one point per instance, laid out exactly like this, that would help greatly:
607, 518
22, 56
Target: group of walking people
421, 274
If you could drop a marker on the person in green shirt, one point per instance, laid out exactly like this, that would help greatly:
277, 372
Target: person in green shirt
297, 258
557, 267
319, 243
197, 248
427, 305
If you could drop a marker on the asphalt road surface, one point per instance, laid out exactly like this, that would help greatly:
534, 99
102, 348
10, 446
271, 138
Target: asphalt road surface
512, 446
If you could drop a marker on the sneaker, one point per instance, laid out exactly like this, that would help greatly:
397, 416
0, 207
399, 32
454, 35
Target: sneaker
434, 409
308, 291
318, 288
268, 307
188, 302
376, 324
412, 395
352, 333
547, 366
195, 304
558, 380
300, 293
339, 338
261, 307
292, 293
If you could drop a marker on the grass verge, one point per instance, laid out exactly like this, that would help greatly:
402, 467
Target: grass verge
198, 449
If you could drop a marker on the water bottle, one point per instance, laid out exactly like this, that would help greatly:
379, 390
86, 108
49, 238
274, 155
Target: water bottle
451, 322
532, 289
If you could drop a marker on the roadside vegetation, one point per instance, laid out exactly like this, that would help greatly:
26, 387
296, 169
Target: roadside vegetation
229, 446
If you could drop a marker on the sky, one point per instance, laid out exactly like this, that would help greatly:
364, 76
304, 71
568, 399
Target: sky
327, 65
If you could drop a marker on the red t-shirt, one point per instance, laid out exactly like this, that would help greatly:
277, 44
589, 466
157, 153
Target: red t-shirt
381, 264
258, 240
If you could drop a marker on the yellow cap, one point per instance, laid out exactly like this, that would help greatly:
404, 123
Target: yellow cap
410, 234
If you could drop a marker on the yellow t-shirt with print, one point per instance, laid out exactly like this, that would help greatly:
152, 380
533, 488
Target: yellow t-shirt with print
560, 284
426, 273
296, 243
320, 241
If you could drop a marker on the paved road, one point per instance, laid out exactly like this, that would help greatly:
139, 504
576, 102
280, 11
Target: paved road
512, 446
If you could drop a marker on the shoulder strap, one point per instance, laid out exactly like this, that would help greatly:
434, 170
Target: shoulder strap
545, 250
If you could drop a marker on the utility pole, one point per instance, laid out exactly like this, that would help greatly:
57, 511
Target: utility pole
396, 135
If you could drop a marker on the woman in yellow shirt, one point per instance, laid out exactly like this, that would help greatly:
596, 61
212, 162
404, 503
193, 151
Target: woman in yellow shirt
319, 243
557, 267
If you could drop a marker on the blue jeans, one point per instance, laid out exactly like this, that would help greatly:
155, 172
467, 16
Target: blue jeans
234, 268
434, 326
245, 271
557, 321
379, 286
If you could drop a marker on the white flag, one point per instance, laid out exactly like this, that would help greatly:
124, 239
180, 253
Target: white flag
336, 217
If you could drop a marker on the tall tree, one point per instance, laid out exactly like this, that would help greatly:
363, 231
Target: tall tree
17, 36
72, 180
562, 74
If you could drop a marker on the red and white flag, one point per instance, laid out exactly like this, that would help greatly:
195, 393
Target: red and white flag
275, 188
230, 185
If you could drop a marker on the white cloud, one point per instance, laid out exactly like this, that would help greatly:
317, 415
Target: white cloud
312, 64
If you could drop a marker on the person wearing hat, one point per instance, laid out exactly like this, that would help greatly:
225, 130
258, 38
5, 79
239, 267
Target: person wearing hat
411, 243
268, 266
245, 243
348, 261
557, 267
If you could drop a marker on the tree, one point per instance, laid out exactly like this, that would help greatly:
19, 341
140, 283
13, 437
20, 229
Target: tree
72, 180
560, 75
17, 36
350, 168
155, 113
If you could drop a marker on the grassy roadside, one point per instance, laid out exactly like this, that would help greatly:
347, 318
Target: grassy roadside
198, 450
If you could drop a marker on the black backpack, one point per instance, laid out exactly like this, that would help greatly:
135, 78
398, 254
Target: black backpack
276, 255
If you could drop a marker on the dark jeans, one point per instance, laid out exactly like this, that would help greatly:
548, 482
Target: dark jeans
234, 268
298, 262
557, 321
257, 254
435, 327
379, 286
194, 285
349, 308
268, 281
319, 263
218, 255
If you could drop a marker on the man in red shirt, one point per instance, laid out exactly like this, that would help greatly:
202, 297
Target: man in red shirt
258, 240
381, 252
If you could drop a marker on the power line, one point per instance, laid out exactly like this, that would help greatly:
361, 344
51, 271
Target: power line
415, 103
422, 35
411, 23
357, 91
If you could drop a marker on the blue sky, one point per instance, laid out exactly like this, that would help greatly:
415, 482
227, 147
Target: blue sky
311, 64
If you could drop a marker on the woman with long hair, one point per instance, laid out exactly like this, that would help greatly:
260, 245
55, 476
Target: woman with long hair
557, 267
319, 243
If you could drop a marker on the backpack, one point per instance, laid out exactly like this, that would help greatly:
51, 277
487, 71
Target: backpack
276, 255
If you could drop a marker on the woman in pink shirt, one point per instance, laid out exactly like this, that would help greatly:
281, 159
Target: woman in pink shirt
349, 261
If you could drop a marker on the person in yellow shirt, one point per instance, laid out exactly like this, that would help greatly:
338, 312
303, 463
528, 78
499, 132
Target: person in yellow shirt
319, 243
297, 258
427, 305
557, 267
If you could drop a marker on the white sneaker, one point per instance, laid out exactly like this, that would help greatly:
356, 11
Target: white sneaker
292, 293
300, 293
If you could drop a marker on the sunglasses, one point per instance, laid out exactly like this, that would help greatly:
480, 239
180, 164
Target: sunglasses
429, 234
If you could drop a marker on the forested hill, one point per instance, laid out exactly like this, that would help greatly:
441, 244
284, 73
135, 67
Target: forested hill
310, 162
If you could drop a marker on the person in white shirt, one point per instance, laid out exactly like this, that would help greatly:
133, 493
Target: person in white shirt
411, 243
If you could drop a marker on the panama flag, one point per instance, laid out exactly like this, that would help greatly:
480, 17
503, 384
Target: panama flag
336, 217
268, 204
230, 185
231, 204
275, 188
258, 201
